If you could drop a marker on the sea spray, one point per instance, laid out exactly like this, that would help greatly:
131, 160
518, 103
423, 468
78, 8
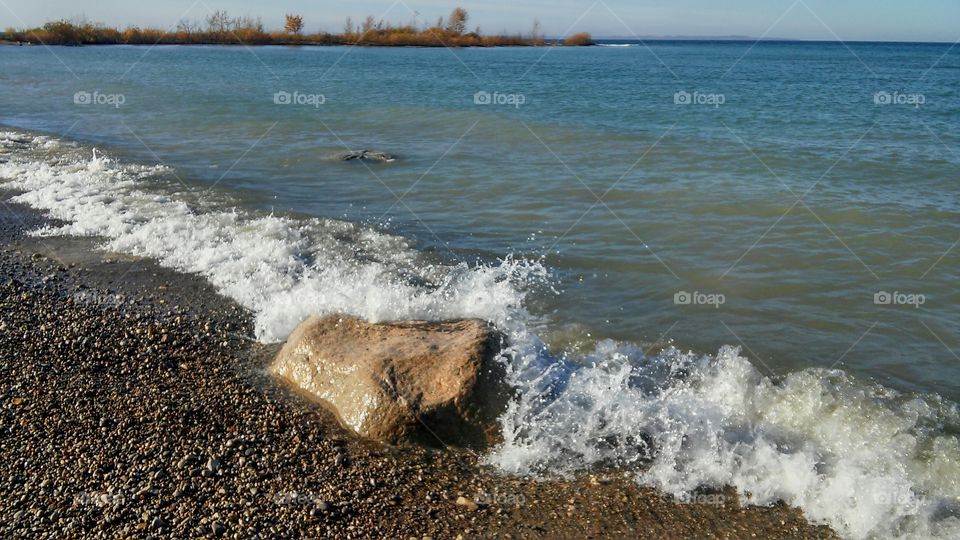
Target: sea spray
863, 459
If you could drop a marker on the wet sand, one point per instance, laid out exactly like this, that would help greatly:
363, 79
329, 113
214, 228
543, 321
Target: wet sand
134, 404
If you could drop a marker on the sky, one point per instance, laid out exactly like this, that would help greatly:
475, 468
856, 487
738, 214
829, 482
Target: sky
847, 20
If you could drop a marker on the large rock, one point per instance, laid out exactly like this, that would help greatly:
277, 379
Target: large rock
434, 383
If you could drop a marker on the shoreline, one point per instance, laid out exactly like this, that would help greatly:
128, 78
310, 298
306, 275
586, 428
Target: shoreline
150, 413
300, 44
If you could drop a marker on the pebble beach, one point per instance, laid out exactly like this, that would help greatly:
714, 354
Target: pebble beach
133, 404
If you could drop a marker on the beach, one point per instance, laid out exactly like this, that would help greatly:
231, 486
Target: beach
717, 279
135, 405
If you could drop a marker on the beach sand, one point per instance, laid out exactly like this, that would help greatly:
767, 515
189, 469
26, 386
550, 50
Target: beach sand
134, 404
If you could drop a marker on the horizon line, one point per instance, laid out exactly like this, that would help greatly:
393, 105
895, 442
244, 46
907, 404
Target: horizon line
762, 39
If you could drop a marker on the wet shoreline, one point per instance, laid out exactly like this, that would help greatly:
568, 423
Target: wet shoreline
134, 404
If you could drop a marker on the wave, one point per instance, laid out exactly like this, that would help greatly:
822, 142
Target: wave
282, 269
868, 461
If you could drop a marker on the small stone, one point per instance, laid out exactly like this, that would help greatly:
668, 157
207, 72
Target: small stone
467, 503
213, 465
217, 528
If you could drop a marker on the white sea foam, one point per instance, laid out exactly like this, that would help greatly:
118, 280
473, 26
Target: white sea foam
865, 460
281, 269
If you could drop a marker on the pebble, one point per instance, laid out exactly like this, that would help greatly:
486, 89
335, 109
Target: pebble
467, 503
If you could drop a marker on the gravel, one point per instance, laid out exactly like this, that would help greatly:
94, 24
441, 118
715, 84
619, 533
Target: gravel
134, 404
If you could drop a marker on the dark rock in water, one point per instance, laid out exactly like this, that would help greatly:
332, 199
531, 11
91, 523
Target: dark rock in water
366, 155
411, 381
16, 142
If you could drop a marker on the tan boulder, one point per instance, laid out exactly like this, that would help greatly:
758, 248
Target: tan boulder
435, 383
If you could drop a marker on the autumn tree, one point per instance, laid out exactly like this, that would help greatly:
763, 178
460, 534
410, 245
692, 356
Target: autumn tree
368, 25
536, 34
188, 28
294, 24
218, 22
457, 24
578, 40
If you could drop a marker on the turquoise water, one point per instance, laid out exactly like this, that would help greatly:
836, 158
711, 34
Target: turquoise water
782, 185
880, 203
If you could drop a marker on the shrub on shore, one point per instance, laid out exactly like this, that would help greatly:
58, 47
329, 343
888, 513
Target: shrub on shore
220, 28
582, 39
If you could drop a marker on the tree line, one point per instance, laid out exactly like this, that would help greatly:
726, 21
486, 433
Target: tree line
220, 28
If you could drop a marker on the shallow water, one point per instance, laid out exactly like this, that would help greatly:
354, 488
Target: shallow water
833, 402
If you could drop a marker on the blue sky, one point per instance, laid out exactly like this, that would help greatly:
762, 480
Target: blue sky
899, 20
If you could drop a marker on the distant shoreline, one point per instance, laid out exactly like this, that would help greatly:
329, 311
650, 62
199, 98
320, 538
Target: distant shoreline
598, 42
301, 44
220, 28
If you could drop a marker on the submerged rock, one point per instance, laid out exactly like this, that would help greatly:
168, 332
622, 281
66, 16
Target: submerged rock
435, 383
366, 155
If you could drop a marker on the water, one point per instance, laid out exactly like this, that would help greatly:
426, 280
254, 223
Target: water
784, 195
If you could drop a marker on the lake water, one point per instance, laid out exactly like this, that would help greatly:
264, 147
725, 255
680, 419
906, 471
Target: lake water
745, 253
